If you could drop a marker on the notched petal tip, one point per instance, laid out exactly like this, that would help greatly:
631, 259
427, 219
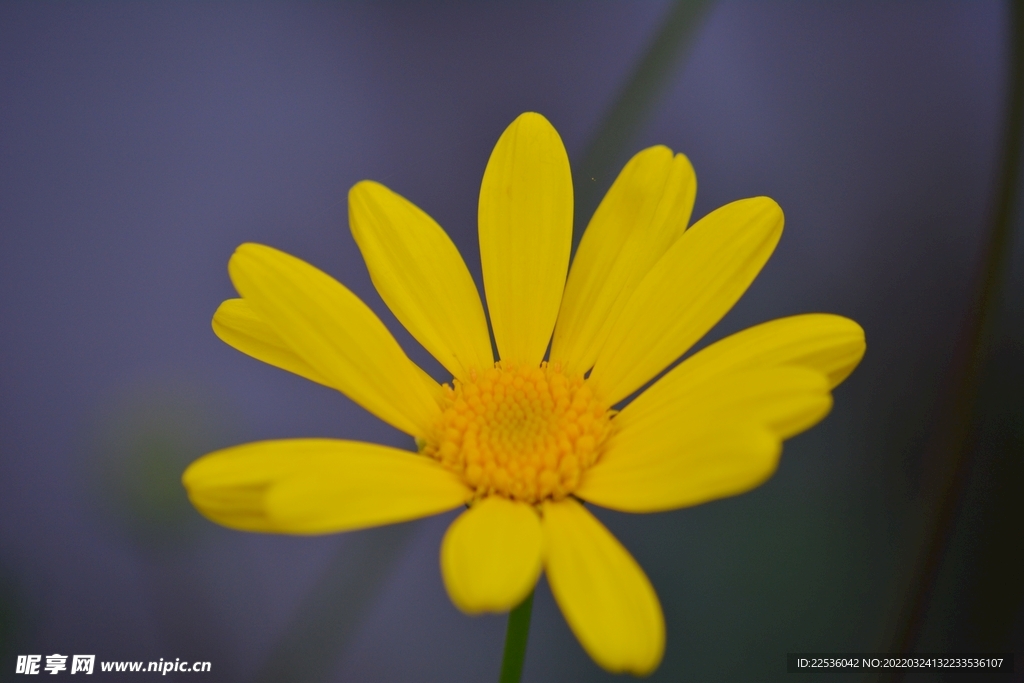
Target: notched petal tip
237, 505
764, 208
317, 486
245, 256
366, 194
252, 249
690, 288
420, 275
336, 334
236, 324
856, 346
646, 209
661, 150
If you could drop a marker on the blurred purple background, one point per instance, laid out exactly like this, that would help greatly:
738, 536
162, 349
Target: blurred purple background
140, 143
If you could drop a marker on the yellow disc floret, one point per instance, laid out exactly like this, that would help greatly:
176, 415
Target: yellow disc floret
525, 433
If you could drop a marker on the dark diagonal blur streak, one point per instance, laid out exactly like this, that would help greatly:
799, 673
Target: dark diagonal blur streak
952, 445
634, 102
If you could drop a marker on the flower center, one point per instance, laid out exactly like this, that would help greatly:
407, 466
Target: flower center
520, 432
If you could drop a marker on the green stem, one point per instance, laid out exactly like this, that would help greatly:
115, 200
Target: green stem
515, 641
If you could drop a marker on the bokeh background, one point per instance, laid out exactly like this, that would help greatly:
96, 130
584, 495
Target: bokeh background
140, 143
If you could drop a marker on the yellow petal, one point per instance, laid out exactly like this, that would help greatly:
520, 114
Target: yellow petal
491, 555
228, 486
336, 334
421, 277
830, 344
787, 400
685, 468
687, 291
681, 443
525, 222
645, 210
240, 327
604, 594
310, 486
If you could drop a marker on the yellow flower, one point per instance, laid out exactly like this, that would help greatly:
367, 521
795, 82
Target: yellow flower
523, 441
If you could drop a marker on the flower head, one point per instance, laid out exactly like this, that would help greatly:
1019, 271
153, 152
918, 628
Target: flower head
522, 441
